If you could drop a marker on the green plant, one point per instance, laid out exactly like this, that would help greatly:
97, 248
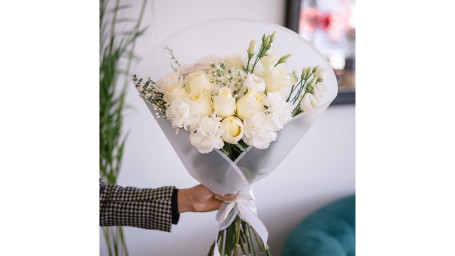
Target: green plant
116, 45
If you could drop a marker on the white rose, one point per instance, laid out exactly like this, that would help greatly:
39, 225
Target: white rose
233, 61
233, 129
208, 135
250, 103
279, 111
308, 102
254, 82
168, 82
175, 93
198, 81
201, 103
277, 79
259, 131
224, 103
318, 91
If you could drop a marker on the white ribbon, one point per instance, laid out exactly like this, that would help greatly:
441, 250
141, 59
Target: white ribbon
244, 207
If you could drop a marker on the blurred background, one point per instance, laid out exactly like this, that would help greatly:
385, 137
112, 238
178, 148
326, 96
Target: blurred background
320, 170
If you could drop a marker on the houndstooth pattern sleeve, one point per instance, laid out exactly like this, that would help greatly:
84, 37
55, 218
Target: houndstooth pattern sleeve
129, 206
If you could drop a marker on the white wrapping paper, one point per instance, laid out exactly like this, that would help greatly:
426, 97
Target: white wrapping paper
215, 170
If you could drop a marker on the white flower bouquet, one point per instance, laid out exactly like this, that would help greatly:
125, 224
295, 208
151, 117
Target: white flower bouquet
238, 114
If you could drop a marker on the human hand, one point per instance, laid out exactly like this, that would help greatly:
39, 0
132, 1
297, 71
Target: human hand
200, 199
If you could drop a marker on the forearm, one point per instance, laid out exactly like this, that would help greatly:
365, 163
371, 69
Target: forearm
143, 208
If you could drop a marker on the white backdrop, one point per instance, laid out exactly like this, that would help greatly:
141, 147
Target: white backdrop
320, 169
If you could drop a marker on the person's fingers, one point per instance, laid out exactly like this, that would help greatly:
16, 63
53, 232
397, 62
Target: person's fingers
228, 197
216, 204
207, 206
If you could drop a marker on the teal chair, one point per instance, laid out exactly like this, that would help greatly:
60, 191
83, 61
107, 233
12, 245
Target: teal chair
330, 231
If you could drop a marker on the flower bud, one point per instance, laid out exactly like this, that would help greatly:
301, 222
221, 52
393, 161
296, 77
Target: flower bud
233, 129
283, 59
251, 50
272, 36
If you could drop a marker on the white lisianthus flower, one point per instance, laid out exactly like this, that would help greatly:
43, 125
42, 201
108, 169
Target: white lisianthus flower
318, 91
208, 135
269, 60
201, 103
250, 103
279, 111
308, 102
259, 131
168, 82
198, 81
258, 70
277, 78
179, 113
224, 103
320, 73
233, 129
254, 82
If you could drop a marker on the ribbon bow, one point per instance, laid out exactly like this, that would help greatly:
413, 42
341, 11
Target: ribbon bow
243, 206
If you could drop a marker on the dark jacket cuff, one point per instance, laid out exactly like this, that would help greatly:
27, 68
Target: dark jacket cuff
175, 207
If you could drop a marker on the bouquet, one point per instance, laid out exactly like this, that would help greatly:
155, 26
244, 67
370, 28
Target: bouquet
225, 116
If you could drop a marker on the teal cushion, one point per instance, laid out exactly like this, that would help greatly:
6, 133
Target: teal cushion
330, 231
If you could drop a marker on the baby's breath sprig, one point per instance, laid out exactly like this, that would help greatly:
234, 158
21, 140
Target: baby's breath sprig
148, 92
176, 62
265, 46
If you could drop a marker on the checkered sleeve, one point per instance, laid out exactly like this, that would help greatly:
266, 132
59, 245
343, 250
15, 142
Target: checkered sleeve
142, 208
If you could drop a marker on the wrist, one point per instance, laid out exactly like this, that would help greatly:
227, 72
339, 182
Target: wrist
184, 200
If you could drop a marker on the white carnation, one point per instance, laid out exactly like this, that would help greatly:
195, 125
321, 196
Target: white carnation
208, 135
259, 131
181, 114
254, 82
279, 111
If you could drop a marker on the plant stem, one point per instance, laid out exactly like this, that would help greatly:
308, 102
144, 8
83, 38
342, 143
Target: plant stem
237, 234
222, 241
251, 239
246, 236
106, 231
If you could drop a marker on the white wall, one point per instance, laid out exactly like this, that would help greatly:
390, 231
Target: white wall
319, 170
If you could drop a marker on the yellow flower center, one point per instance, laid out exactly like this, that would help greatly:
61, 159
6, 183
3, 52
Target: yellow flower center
258, 98
234, 129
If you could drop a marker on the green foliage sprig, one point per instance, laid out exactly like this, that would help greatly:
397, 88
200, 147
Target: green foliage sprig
115, 46
265, 46
308, 80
